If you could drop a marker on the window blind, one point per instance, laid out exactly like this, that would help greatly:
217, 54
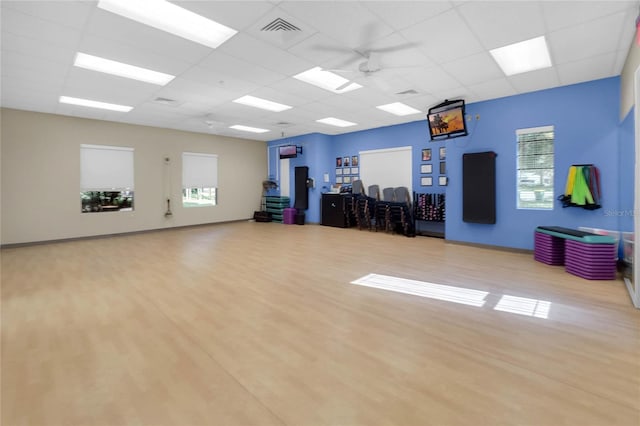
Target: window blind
105, 168
199, 170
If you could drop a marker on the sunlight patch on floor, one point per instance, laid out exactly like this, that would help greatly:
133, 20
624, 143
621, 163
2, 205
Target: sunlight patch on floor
465, 296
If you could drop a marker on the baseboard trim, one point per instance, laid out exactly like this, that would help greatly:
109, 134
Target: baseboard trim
491, 247
118, 234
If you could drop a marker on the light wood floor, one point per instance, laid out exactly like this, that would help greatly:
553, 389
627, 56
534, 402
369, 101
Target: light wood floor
257, 324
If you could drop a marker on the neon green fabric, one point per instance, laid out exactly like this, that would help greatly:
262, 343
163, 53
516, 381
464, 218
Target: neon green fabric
581, 194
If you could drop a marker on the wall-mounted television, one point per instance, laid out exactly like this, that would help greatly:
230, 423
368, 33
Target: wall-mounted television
288, 151
446, 120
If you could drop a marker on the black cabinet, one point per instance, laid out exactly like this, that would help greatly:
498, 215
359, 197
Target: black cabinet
333, 211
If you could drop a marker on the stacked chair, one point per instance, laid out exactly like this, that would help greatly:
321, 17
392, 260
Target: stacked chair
390, 212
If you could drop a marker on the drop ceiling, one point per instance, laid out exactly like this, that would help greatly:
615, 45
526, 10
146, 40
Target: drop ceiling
428, 51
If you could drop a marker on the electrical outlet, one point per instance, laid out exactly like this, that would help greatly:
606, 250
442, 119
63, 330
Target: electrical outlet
469, 117
477, 117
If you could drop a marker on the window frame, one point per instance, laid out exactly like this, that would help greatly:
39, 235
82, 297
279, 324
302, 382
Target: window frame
538, 192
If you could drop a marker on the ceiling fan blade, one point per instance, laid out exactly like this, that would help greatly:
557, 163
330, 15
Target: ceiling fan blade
396, 48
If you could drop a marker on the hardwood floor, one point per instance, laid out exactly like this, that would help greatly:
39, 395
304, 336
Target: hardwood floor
258, 324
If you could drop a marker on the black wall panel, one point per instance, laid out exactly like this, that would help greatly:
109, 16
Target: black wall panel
479, 187
301, 190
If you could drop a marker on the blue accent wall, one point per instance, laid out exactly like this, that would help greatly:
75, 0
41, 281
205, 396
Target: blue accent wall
587, 130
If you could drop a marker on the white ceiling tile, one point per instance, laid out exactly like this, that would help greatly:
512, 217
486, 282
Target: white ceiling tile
37, 49
402, 14
239, 15
117, 89
72, 14
184, 90
563, 14
349, 23
498, 24
257, 51
227, 65
586, 69
473, 69
535, 80
124, 52
431, 80
218, 80
498, 88
445, 37
582, 41
35, 28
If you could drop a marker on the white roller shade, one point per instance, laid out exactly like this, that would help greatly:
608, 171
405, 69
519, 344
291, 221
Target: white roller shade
199, 170
389, 168
105, 168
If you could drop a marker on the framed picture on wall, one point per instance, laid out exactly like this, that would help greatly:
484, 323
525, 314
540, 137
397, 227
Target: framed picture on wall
426, 168
338, 161
338, 179
426, 181
443, 167
354, 160
338, 172
346, 179
345, 161
355, 170
443, 153
442, 181
426, 154
346, 171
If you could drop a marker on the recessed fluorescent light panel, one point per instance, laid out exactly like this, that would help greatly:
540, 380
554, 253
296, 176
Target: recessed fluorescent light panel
336, 122
94, 104
518, 58
248, 129
327, 80
261, 103
173, 19
398, 108
96, 63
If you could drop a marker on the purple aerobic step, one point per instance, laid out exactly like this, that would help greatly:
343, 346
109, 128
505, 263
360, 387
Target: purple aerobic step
548, 249
591, 261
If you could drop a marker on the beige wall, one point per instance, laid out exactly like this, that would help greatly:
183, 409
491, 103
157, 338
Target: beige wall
627, 79
40, 177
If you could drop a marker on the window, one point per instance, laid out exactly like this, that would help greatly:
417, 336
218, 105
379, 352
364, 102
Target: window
106, 178
535, 168
199, 179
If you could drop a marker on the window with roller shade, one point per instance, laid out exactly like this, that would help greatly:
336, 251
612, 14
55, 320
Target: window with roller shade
106, 178
199, 179
534, 163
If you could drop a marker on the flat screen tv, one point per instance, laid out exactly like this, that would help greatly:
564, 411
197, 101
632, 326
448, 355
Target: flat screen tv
288, 151
446, 120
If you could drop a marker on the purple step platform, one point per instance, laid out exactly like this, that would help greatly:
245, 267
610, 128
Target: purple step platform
591, 261
586, 260
289, 216
548, 249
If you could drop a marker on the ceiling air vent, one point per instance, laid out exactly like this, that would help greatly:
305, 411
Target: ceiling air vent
279, 24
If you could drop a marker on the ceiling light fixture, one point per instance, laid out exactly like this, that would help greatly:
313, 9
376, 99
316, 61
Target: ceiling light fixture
525, 56
248, 128
173, 19
94, 104
327, 80
96, 63
398, 108
261, 103
336, 122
